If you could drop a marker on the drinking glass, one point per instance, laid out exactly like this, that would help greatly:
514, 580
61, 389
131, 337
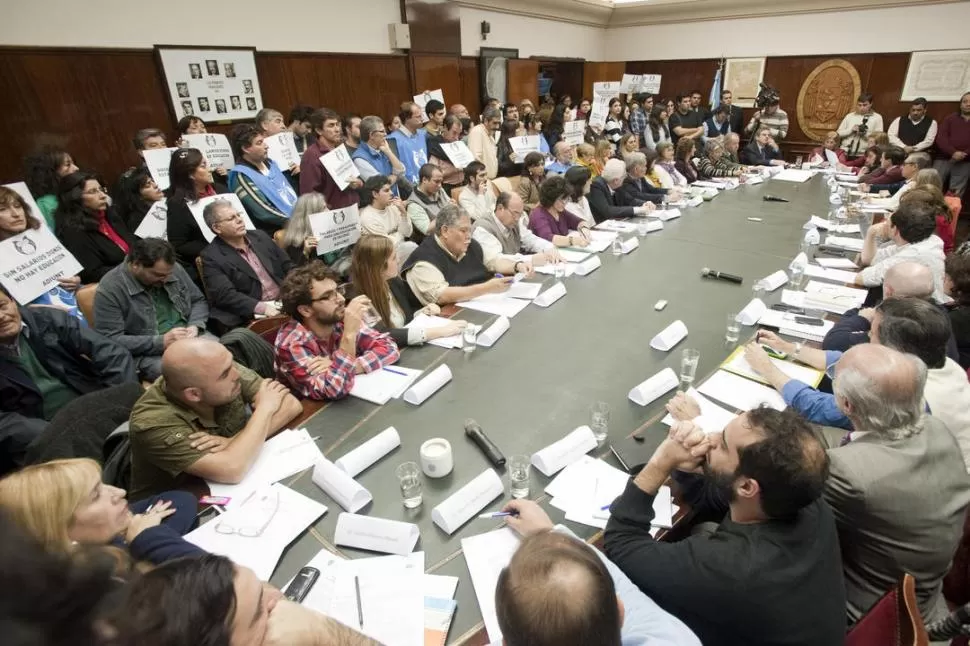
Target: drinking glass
370, 317
617, 246
518, 467
409, 476
689, 359
760, 290
798, 161
559, 270
733, 330
599, 420
469, 338
642, 228
796, 275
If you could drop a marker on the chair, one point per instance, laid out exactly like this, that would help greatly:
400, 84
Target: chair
85, 301
455, 192
502, 185
956, 205
278, 238
893, 621
515, 182
199, 269
268, 327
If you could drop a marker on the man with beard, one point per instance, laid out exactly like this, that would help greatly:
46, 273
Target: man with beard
314, 177
326, 344
771, 572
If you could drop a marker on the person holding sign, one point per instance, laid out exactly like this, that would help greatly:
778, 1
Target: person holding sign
43, 171
258, 181
509, 162
411, 141
314, 176
299, 242
138, 193
481, 141
374, 156
191, 180
384, 214
551, 221
453, 177
613, 130
830, 153
270, 122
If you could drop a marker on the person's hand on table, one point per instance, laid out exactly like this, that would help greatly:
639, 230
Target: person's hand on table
683, 407
578, 241
774, 341
675, 195
498, 285
526, 267
757, 358
431, 309
528, 518
453, 328
318, 365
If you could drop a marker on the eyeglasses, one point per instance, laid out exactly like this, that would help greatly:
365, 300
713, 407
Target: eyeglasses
254, 515
329, 296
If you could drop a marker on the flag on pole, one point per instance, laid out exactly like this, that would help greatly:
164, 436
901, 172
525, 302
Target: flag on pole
715, 99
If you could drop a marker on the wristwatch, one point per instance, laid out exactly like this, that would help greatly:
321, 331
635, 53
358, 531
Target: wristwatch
515, 267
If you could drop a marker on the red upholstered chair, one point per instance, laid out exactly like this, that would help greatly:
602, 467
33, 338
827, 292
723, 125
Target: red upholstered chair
268, 327
956, 205
893, 621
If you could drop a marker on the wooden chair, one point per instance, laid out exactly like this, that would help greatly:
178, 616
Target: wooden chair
85, 301
198, 268
454, 193
894, 620
501, 185
268, 327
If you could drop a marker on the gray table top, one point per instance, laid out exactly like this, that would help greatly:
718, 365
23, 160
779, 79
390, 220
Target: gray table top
538, 382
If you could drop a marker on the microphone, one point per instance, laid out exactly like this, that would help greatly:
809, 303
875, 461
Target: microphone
774, 198
720, 275
477, 435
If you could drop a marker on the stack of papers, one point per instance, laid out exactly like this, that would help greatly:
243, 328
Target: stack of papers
574, 255
738, 364
712, 419
524, 290
786, 324
384, 384
498, 304
835, 275
740, 393
852, 244
794, 175
486, 555
836, 263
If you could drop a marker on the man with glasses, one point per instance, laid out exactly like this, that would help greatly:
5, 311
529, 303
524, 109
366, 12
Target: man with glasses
195, 421
911, 167
503, 233
327, 342
374, 155
242, 269
916, 132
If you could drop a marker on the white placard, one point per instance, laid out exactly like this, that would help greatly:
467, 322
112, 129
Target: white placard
775, 280
155, 222
212, 84
647, 391
630, 244
599, 110
458, 508
422, 101
522, 146
573, 132
665, 214
458, 154
369, 452
494, 332
669, 337
609, 89
198, 207
20, 188
428, 386
588, 266
551, 295
348, 493
752, 312
281, 148
340, 165
335, 229
637, 83
32, 261
158, 160
215, 147
560, 454
376, 534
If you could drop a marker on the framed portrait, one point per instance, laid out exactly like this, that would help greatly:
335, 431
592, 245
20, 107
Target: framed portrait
742, 77
493, 67
942, 75
209, 82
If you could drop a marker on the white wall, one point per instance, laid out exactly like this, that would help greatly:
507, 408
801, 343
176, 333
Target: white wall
531, 36
315, 26
911, 28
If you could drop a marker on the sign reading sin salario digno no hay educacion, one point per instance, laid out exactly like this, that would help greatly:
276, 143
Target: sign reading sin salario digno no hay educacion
31, 263
335, 229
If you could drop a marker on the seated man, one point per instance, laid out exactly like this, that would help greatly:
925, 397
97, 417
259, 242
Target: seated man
732, 144
47, 359
477, 197
564, 158
195, 422
326, 343
410, 141
242, 269
449, 266
762, 151
890, 168
604, 200
503, 233
557, 590
767, 471
636, 190
427, 198
911, 167
265, 192
149, 302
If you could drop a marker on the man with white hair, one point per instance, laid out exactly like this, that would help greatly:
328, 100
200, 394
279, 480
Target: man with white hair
636, 190
732, 144
565, 158
603, 198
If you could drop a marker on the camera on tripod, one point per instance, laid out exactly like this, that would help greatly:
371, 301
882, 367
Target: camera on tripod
767, 95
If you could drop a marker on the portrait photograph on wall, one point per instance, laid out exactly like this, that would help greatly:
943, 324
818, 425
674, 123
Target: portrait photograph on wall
208, 82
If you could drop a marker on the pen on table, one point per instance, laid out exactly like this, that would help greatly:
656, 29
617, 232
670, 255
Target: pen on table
396, 372
498, 514
360, 610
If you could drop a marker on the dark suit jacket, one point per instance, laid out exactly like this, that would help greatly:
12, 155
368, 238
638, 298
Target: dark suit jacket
184, 232
96, 253
635, 193
406, 300
751, 155
604, 203
233, 287
736, 119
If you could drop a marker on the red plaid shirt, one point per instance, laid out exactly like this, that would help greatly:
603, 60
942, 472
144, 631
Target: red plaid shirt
296, 346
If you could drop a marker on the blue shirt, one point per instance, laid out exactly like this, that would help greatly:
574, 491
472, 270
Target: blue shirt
815, 406
556, 166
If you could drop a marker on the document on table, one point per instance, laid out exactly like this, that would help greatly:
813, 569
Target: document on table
835, 275
742, 394
712, 419
498, 304
384, 384
738, 364
524, 290
848, 294
786, 324
284, 455
428, 322
486, 555
819, 223
794, 175
376, 534
852, 244
617, 225
573, 255
836, 263
568, 269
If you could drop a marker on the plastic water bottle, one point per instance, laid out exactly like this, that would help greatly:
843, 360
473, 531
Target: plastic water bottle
617, 246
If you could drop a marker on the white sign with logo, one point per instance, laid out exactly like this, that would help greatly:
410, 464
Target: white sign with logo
32, 261
158, 160
155, 222
458, 153
599, 110
573, 132
340, 166
198, 207
20, 188
610, 89
215, 147
282, 149
335, 229
423, 98
522, 146
636, 83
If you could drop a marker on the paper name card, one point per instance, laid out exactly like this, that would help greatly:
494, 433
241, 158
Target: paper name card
852, 244
369, 452
775, 280
428, 386
551, 295
573, 255
459, 507
654, 225
617, 225
348, 493
340, 165
697, 200
662, 382
522, 146
847, 177
588, 266
825, 273
755, 179
670, 336
494, 332
561, 454
752, 312
522, 289
629, 245
376, 534
665, 214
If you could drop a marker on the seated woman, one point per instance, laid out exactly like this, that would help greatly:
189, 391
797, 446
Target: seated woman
533, 172
533, 127
666, 167
578, 181
715, 164
375, 273
684, 159
299, 243
43, 171
190, 180
586, 157
657, 130
89, 227
384, 214
933, 196
63, 503
653, 175
551, 221
509, 163
15, 218
831, 145
138, 193
874, 140
956, 284
890, 169
629, 144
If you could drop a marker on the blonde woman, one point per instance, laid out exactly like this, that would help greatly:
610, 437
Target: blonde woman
629, 143
298, 240
604, 152
63, 503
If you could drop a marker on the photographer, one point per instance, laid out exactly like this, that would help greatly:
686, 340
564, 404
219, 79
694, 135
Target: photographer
769, 114
856, 126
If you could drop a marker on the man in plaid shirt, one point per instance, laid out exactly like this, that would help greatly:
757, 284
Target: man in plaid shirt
326, 344
639, 114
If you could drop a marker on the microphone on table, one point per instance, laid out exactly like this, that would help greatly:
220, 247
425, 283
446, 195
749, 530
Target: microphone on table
477, 435
720, 275
774, 198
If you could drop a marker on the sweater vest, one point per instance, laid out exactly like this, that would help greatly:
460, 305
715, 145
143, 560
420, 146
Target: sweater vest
910, 133
510, 239
470, 270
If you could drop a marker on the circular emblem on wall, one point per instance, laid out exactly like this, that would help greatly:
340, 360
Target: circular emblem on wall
827, 95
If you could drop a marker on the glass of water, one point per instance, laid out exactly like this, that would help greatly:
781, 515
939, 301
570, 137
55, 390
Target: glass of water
469, 338
760, 290
409, 476
559, 270
796, 275
518, 468
599, 420
370, 317
733, 330
689, 359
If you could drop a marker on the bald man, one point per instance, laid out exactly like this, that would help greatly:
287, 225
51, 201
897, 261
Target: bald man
459, 111
194, 423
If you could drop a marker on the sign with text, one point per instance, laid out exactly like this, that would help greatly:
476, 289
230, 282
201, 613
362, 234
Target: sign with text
573, 132
197, 208
158, 161
32, 261
282, 150
636, 83
335, 229
610, 89
599, 110
215, 147
155, 222
458, 153
423, 98
340, 166
522, 146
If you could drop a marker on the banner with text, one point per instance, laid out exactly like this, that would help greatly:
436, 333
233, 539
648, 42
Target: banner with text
573, 132
423, 98
32, 261
335, 229
340, 166
198, 207
158, 160
282, 149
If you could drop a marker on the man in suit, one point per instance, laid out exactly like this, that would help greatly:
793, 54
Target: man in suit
603, 197
242, 269
762, 151
636, 191
735, 114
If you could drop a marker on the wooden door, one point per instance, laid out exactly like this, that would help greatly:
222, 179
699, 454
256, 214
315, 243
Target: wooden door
522, 81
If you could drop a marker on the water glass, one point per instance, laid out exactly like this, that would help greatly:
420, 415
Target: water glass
689, 359
798, 161
733, 330
469, 338
760, 290
370, 317
559, 270
642, 226
518, 468
796, 276
599, 420
409, 476
617, 246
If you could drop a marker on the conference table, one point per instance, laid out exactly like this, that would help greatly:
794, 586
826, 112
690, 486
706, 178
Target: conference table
537, 383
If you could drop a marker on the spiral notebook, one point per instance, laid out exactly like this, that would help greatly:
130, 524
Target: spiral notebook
438, 614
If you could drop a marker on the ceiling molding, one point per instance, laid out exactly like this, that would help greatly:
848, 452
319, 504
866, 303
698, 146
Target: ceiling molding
592, 13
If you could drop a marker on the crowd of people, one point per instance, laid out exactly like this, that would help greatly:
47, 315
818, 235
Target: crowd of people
834, 515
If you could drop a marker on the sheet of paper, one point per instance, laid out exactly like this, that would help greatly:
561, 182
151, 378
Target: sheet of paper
155, 222
852, 244
214, 146
569, 268
738, 364
669, 336
551, 295
522, 146
712, 419
574, 132
836, 263
158, 161
458, 508
498, 304
428, 386
802, 331
458, 153
561, 453
281, 148
369, 452
853, 293
488, 337
426, 322
346, 491
376, 534
524, 290
835, 275
340, 165
652, 388
384, 384
618, 226
426, 96
486, 555
335, 229
439, 586
741, 393
664, 511
573, 255
32, 261
665, 214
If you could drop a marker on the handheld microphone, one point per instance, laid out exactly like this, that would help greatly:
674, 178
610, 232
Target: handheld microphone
720, 275
774, 198
477, 435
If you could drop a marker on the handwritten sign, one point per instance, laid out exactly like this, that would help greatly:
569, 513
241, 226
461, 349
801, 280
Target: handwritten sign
335, 229
423, 98
599, 110
198, 207
573, 132
32, 261
282, 149
155, 222
636, 83
610, 90
522, 146
340, 166
215, 147
158, 161
458, 153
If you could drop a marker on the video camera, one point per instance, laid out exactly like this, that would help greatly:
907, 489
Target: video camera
767, 95
863, 127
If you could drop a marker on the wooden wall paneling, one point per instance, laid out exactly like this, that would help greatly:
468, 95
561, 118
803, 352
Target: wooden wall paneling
600, 73
471, 94
522, 81
434, 72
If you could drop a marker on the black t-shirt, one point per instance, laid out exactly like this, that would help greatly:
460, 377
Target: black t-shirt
690, 120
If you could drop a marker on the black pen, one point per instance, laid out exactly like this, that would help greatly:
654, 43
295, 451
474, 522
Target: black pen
360, 610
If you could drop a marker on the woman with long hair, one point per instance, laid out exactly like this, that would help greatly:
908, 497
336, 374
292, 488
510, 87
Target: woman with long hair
684, 159
603, 152
43, 171
374, 271
613, 130
190, 180
666, 167
931, 195
89, 227
299, 243
653, 176
509, 163
629, 143
533, 128
657, 130
138, 192
578, 181
63, 504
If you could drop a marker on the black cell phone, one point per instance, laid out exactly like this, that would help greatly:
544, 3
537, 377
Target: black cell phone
301, 584
808, 320
782, 307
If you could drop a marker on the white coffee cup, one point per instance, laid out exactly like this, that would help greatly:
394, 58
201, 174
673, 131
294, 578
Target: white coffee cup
436, 458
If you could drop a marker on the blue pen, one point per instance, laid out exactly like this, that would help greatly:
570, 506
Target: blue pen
499, 514
396, 372
605, 507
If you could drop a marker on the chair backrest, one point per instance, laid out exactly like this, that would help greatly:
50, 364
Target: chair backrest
893, 621
502, 185
515, 182
198, 268
956, 205
455, 192
85, 301
268, 327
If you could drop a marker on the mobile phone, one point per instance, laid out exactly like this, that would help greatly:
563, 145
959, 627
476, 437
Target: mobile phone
782, 307
777, 354
222, 501
808, 320
300, 585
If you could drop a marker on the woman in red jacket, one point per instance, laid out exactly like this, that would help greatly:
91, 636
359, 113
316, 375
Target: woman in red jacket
832, 143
